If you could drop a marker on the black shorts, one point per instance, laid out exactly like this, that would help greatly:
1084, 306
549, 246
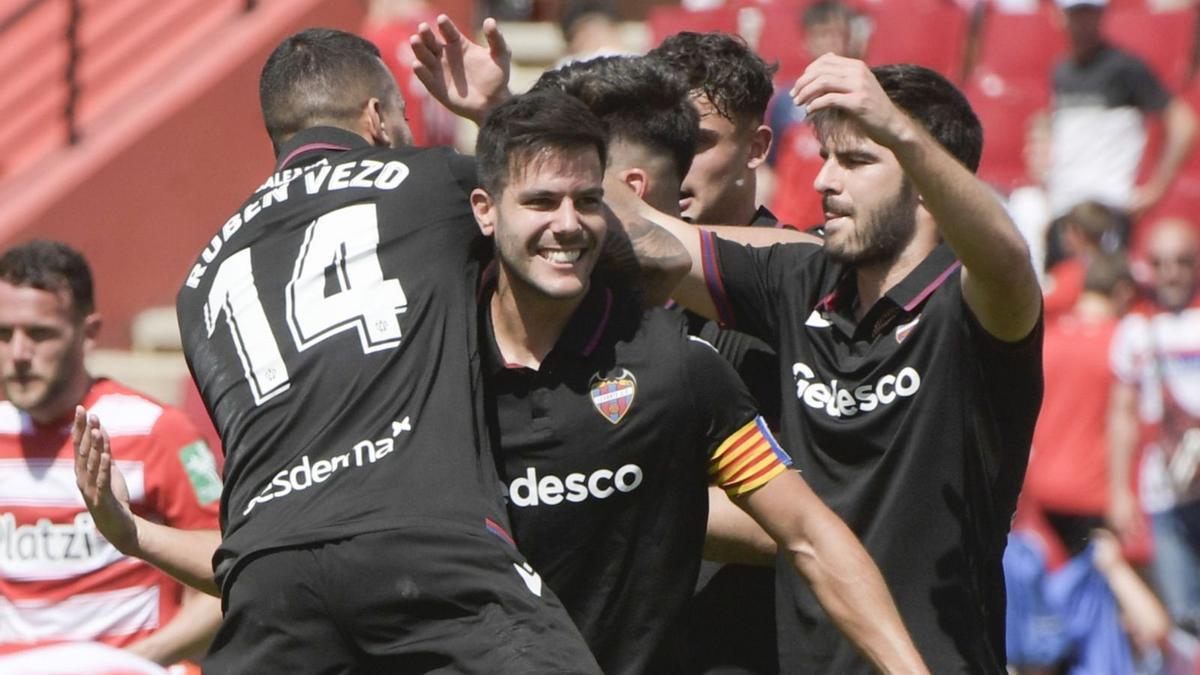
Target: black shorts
414, 600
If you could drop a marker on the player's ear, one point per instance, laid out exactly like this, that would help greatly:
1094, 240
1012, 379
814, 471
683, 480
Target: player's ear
372, 124
485, 211
638, 180
91, 329
760, 145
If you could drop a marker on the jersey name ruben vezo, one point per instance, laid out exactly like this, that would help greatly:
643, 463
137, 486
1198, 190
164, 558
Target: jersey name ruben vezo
840, 400
530, 490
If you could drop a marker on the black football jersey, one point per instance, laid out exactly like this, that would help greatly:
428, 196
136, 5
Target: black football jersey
913, 424
606, 452
330, 325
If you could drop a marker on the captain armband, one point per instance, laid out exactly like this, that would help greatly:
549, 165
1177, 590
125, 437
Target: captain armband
747, 460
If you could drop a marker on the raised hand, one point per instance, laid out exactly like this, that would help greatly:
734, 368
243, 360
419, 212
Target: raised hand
850, 86
466, 77
101, 484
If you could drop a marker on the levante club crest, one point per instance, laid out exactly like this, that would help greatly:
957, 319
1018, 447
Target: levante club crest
613, 395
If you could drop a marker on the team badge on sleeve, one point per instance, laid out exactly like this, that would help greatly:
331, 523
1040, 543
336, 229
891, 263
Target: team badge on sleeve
614, 395
201, 468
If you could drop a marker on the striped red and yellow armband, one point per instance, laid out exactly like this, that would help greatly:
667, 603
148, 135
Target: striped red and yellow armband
748, 459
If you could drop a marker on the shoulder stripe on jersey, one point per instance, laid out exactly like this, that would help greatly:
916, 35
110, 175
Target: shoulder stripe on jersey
712, 278
126, 414
941, 278
748, 459
84, 617
600, 325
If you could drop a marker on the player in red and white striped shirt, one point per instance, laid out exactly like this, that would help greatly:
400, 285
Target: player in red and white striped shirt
60, 580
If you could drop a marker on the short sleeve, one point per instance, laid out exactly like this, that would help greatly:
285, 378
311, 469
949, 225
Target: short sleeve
746, 282
1126, 351
183, 484
742, 453
465, 171
1144, 86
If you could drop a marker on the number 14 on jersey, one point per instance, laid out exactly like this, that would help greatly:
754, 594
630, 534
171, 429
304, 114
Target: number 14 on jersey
337, 284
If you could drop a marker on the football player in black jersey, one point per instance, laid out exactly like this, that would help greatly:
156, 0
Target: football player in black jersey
911, 349
729, 86
608, 415
331, 327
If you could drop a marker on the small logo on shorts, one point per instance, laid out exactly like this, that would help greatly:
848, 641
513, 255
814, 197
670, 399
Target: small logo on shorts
614, 395
533, 580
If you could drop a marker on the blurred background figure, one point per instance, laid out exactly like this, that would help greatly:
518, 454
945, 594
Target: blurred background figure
1156, 408
828, 26
60, 581
590, 28
1102, 95
1075, 600
1072, 242
388, 24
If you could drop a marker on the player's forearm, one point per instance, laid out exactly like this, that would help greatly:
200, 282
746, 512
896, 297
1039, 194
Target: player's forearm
733, 536
1179, 125
1003, 291
1142, 613
187, 635
851, 590
185, 555
646, 256
690, 288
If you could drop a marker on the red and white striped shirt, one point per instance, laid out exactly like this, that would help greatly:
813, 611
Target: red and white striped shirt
60, 580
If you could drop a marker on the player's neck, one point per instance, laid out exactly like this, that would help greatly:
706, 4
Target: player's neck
876, 279
527, 324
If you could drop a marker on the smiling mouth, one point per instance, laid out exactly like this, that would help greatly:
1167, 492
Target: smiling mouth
560, 256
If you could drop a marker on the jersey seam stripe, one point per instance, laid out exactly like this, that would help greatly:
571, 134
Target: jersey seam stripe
941, 278
713, 280
602, 325
308, 148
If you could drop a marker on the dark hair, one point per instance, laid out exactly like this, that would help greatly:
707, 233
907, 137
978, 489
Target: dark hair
576, 10
1106, 271
638, 98
523, 126
50, 266
320, 76
1095, 221
722, 67
824, 11
932, 101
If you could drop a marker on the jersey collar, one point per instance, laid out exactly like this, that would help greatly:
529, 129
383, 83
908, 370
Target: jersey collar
920, 283
764, 218
900, 302
582, 334
317, 141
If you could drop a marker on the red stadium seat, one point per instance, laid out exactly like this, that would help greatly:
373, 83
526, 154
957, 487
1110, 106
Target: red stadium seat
665, 20
929, 34
1021, 46
1005, 108
782, 40
796, 202
1163, 39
